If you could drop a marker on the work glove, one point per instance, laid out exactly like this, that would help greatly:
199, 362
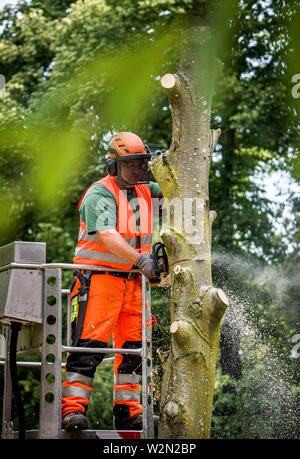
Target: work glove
146, 265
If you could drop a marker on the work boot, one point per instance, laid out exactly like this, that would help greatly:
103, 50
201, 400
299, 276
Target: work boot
133, 423
75, 421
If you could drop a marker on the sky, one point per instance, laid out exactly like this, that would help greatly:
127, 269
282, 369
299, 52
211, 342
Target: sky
5, 2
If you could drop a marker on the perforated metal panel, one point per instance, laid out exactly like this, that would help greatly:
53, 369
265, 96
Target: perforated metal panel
50, 401
147, 379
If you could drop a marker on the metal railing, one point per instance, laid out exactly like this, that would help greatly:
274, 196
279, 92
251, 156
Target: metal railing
52, 350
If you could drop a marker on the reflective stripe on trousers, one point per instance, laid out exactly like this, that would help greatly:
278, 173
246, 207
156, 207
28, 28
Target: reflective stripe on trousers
126, 387
76, 377
77, 385
76, 390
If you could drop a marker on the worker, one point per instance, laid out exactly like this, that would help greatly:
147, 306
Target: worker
115, 232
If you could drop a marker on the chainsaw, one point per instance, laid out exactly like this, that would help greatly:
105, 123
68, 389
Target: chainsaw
160, 261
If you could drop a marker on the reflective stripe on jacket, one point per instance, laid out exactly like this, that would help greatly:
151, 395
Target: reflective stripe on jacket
90, 251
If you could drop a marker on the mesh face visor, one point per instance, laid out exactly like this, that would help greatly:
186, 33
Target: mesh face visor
133, 169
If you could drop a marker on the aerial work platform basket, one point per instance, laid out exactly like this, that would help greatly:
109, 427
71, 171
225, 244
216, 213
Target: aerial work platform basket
31, 295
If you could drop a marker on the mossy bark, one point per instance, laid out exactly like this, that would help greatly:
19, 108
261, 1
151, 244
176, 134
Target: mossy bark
196, 306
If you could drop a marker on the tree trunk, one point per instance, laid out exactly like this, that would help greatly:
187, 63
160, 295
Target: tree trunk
197, 307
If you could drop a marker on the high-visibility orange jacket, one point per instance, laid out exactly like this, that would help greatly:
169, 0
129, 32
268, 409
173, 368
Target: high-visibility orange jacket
90, 251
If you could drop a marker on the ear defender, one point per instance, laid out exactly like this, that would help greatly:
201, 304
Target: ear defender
111, 166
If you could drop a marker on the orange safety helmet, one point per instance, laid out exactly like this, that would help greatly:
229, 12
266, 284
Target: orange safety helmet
126, 146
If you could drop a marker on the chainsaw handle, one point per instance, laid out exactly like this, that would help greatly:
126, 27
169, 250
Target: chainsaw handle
161, 261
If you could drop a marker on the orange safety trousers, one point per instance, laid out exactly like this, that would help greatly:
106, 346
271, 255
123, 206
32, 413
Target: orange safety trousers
114, 308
